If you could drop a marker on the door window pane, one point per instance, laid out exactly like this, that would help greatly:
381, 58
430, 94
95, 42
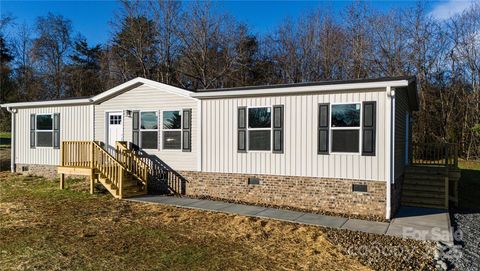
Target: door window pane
346, 115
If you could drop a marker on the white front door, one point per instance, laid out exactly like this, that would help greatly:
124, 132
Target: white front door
114, 128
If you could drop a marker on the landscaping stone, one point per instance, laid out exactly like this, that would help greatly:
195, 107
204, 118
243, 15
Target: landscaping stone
467, 223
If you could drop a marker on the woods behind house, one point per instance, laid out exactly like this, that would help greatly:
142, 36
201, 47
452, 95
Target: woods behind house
195, 45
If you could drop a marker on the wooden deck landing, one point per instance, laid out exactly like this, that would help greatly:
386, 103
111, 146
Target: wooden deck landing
122, 174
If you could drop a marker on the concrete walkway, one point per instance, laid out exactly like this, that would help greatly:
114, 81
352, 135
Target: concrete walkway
410, 222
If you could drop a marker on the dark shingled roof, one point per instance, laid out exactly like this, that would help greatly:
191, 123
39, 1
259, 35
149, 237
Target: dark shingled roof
318, 83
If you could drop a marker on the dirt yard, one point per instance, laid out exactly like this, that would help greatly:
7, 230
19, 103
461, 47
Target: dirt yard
44, 228
4, 158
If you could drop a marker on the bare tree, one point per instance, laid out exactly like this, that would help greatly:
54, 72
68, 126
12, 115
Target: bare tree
50, 49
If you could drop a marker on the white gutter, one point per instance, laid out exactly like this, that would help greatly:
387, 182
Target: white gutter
300, 89
390, 161
12, 140
46, 103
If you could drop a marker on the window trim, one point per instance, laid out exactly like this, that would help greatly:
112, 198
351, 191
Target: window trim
248, 129
359, 128
180, 110
37, 130
140, 130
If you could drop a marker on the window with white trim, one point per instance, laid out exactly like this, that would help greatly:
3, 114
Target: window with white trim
345, 128
44, 130
259, 128
172, 130
149, 130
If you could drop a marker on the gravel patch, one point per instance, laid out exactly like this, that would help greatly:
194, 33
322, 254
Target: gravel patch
467, 226
382, 252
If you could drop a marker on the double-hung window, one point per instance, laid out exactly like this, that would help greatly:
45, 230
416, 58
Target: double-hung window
44, 130
172, 130
149, 130
259, 128
345, 128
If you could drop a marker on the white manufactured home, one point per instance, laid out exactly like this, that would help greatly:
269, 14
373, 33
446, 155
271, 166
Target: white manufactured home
335, 146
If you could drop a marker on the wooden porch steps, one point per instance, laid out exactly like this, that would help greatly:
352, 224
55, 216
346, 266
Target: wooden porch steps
123, 174
425, 186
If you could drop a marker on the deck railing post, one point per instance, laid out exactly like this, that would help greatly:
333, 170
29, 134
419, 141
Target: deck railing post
120, 182
446, 155
92, 156
62, 154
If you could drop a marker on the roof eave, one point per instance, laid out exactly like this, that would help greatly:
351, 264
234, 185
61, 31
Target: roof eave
301, 89
47, 103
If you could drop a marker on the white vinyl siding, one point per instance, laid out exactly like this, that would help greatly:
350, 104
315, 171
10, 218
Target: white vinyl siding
75, 124
300, 157
146, 98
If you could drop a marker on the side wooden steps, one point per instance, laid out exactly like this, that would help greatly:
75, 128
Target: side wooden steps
425, 186
131, 187
123, 174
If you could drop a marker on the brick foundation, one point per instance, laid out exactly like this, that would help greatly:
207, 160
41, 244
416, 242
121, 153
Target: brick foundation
47, 171
310, 193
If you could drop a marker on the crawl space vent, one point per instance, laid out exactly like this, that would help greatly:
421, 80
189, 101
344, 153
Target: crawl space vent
359, 188
253, 181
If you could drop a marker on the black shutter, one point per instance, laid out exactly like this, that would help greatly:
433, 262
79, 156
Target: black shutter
242, 129
32, 131
369, 126
187, 130
56, 130
135, 128
323, 128
278, 125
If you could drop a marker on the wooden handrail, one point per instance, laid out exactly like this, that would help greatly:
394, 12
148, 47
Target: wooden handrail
434, 154
132, 162
89, 154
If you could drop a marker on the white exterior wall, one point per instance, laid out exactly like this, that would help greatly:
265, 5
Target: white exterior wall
147, 98
300, 158
76, 123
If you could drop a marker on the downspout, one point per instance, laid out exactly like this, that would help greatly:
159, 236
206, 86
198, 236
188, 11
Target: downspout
12, 141
391, 156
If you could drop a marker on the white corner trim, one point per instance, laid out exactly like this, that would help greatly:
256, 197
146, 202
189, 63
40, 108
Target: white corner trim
388, 149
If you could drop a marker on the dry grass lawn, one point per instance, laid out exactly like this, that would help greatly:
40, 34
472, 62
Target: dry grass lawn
44, 228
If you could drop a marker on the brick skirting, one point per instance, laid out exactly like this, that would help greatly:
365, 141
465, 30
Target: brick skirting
47, 171
310, 193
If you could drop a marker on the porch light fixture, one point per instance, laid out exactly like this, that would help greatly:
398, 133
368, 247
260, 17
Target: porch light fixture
129, 113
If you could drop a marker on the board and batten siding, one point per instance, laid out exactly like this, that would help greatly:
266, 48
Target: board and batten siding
300, 158
76, 123
147, 98
401, 110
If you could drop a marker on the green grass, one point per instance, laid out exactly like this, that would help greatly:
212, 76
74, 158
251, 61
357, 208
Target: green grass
5, 135
469, 185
